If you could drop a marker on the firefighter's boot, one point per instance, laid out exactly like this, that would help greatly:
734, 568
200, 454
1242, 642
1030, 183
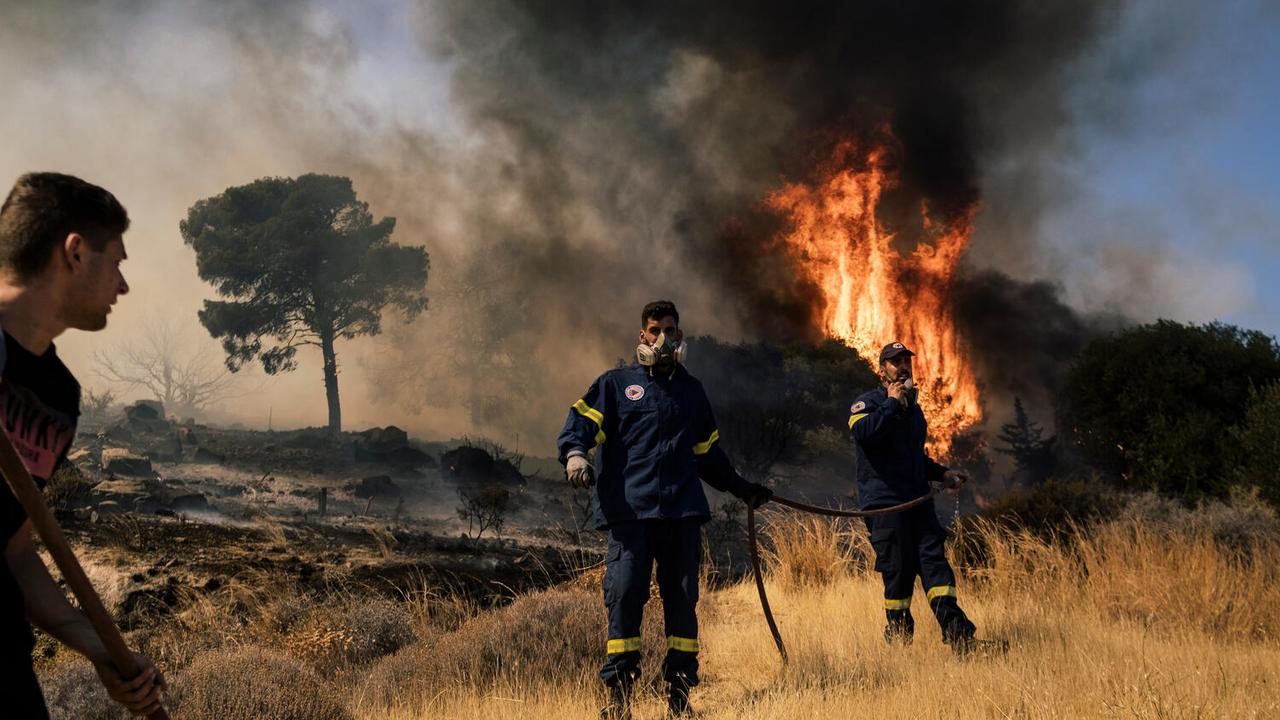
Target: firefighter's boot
899, 627
957, 630
618, 704
678, 701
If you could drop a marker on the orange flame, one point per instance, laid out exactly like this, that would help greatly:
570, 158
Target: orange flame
870, 294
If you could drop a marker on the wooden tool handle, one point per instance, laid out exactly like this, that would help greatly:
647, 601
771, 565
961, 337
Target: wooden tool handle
29, 496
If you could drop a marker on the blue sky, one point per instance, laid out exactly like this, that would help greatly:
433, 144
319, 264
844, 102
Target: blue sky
1193, 155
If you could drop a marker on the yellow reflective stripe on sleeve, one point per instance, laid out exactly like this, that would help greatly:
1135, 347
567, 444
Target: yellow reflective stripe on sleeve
855, 418
703, 448
682, 644
621, 645
892, 604
594, 416
941, 591
589, 412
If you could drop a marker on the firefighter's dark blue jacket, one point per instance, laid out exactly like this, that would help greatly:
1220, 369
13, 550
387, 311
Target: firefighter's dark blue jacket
654, 437
888, 440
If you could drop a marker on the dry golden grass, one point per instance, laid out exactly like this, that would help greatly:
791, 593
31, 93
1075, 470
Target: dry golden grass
1126, 622
808, 551
1130, 619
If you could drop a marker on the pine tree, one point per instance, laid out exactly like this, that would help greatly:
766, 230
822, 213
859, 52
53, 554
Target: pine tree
1024, 442
303, 263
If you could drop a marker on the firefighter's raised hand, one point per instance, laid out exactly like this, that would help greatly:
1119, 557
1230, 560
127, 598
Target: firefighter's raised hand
897, 390
579, 471
954, 479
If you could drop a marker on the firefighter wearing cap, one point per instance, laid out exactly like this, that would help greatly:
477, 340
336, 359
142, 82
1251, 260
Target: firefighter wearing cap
654, 437
889, 432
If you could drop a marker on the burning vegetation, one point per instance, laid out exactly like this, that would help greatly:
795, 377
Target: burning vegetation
868, 292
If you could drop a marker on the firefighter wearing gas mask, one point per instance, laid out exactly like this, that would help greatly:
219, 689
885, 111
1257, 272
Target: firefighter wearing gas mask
655, 439
889, 432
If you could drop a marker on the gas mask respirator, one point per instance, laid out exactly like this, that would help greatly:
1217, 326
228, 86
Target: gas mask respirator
663, 353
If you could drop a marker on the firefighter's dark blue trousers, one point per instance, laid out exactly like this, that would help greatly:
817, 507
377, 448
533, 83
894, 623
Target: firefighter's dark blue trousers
909, 544
634, 547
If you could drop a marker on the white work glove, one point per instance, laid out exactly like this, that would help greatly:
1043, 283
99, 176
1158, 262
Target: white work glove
954, 479
578, 469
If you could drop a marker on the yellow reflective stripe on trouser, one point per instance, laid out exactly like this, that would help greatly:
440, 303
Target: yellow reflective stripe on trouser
594, 416
894, 604
621, 645
682, 644
703, 448
941, 591
855, 418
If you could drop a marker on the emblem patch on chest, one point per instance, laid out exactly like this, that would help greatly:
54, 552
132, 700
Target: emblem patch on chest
634, 392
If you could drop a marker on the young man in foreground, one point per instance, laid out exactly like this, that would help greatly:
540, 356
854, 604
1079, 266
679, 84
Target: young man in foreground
61, 245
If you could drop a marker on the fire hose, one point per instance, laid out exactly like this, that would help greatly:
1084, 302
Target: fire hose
25, 490
830, 512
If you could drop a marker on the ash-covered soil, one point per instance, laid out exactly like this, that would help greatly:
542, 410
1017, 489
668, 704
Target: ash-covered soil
162, 512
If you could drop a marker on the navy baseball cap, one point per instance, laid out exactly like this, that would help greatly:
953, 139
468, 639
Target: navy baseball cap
893, 350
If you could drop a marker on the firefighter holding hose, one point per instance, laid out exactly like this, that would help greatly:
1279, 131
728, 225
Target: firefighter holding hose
61, 245
889, 432
654, 437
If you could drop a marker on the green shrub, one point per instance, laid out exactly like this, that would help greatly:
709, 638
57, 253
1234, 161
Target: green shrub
1153, 407
1258, 463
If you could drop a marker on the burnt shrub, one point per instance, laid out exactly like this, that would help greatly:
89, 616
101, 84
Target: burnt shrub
68, 488
478, 465
484, 509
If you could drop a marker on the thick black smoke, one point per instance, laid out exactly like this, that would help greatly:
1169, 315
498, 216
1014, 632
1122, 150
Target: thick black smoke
621, 151
589, 157
1021, 339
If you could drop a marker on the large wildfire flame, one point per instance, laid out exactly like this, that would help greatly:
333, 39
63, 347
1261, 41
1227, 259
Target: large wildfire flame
870, 293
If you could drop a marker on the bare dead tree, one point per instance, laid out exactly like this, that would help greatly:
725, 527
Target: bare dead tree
172, 364
95, 406
484, 509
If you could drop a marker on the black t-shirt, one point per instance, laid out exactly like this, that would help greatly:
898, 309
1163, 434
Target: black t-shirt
39, 407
